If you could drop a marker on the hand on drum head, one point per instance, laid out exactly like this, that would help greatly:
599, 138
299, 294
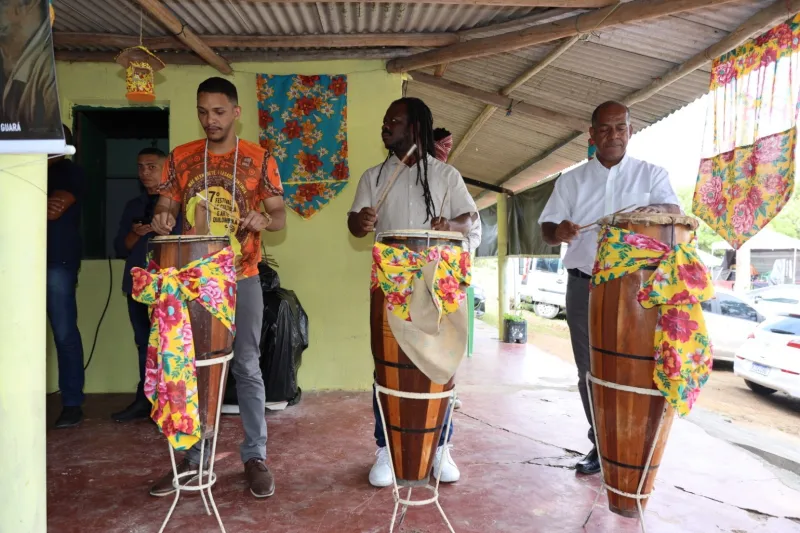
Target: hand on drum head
163, 223
367, 218
440, 224
566, 231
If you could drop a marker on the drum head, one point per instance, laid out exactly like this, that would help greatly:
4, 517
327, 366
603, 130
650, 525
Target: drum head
420, 234
188, 238
648, 219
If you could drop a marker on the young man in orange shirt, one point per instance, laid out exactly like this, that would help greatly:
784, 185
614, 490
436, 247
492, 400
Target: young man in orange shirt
206, 166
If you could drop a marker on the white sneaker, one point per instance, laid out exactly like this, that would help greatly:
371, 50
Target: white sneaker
381, 473
450, 472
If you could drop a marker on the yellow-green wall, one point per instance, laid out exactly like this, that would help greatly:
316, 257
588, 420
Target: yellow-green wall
319, 260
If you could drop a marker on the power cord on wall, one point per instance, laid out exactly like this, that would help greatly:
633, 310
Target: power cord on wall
99, 322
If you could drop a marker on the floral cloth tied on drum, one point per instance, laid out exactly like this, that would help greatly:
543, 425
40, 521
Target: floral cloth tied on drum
677, 286
424, 297
171, 376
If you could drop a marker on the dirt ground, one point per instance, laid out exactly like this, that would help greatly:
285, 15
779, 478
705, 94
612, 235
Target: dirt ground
725, 393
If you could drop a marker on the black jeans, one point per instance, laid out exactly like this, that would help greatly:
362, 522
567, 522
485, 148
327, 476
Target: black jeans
137, 312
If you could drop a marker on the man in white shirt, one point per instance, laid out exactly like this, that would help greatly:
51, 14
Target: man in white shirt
608, 183
413, 202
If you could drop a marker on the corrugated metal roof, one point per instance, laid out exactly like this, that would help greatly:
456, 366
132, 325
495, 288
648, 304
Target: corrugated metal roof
609, 64
240, 17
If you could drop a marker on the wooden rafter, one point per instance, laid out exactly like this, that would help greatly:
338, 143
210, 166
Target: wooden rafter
599, 19
161, 14
540, 17
501, 101
523, 78
358, 40
763, 20
501, 3
187, 58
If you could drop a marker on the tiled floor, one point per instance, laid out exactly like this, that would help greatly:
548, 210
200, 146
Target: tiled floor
517, 436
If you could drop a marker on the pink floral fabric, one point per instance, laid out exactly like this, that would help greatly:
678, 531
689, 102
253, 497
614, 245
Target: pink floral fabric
171, 375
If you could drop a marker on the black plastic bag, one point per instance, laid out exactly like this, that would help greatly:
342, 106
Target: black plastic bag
284, 337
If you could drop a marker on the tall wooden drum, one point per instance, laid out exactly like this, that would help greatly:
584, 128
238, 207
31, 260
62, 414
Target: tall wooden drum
414, 426
211, 338
621, 334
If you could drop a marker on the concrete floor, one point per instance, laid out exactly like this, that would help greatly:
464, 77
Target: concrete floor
520, 430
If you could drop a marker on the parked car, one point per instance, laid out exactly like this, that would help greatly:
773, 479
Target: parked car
776, 299
480, 301
729, 319
545, 287
770, 359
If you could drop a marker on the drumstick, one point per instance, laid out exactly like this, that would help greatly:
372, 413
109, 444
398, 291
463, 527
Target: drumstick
611, 215
441, 209
394, 178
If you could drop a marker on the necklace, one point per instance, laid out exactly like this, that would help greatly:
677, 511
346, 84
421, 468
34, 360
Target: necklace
233, 186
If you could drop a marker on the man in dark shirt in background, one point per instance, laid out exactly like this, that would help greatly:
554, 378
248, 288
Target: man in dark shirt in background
65, 188
131, 242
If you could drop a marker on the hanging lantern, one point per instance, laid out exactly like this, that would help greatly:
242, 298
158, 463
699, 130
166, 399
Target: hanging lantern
140, 66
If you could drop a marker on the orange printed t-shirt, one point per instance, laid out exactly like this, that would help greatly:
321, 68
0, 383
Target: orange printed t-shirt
257, 179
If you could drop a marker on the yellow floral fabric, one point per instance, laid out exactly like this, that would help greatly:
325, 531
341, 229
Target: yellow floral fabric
171, 375
682, 349
746, 173
394, 269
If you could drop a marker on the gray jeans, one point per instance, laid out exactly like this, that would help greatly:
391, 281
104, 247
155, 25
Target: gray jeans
578, 321
246, 370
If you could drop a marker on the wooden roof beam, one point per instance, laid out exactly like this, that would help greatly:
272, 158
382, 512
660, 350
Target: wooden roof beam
357, 40
501, 101
599, 19
521, 80
161, 14
188, 58
498, 3
765, 19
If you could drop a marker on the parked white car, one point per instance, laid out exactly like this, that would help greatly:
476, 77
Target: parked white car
776, 299
545, 287
770, 359
730, 320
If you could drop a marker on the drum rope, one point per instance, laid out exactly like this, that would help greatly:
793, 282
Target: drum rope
646, 471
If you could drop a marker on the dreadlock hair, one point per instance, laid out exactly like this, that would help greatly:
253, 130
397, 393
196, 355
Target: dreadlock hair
420, 120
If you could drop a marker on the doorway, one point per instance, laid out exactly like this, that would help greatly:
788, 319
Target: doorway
107, 142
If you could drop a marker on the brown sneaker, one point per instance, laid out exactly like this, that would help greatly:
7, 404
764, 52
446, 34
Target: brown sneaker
262, 485
164, 487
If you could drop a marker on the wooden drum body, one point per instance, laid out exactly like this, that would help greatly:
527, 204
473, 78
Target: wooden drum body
413, 426
621, 334
211, 338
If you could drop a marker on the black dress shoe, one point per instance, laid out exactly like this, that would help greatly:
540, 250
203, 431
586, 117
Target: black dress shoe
589, 464
70, 417
138, 409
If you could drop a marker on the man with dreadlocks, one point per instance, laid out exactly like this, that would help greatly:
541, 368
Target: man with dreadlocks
412, 203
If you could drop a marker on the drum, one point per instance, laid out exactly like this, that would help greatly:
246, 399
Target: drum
211, 338
621, 334
413, 426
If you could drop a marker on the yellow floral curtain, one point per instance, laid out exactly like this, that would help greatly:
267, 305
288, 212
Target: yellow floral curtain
746, 173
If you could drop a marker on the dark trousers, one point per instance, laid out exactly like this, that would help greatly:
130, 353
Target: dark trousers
380, 438
140, 320
62, 312
578, 321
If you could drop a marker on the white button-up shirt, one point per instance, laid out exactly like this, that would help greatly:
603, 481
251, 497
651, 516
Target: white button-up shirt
404, 207
592, 191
